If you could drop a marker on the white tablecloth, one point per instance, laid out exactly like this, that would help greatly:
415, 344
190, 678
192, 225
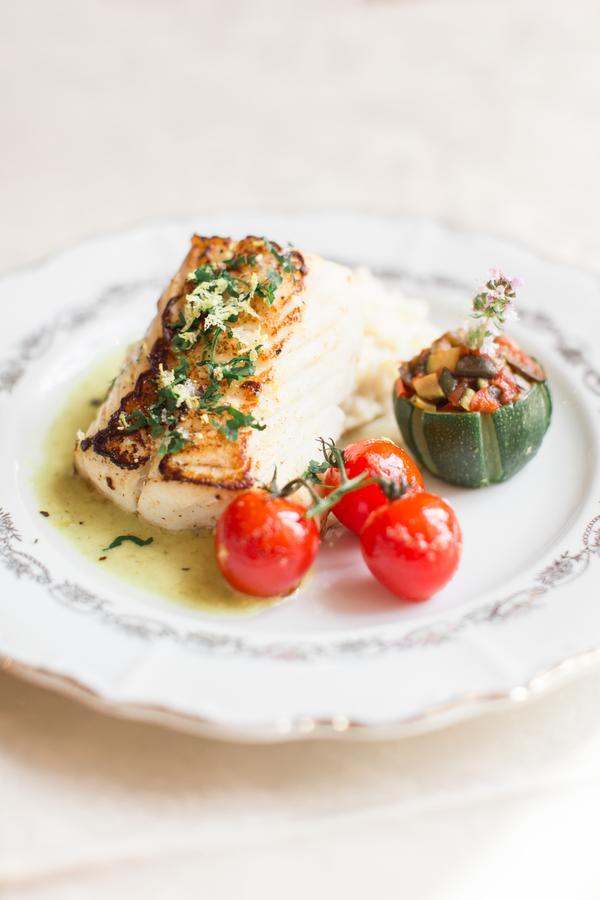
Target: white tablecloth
482, 113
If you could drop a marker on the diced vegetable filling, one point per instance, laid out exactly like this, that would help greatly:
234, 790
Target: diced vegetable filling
451, 376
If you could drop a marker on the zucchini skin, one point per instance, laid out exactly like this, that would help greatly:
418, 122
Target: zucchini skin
477, 449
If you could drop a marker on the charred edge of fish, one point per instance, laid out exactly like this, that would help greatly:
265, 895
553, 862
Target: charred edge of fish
294, 254
132, 459
211, 248
253, 387
111, 441
166, 322
176, 473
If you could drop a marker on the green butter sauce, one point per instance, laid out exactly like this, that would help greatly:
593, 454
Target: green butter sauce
178, 566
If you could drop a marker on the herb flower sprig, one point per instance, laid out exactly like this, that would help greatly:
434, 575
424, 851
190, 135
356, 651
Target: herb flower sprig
493, 306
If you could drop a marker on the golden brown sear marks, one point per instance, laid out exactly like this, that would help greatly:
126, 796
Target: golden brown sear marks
210, 458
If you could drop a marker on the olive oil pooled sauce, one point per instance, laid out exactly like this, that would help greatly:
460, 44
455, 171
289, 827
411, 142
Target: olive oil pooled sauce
177, 565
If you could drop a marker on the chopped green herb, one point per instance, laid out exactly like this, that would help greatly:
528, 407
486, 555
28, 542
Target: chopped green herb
285, 260
237, 368
128, 537
204, 273
173, 442
236, 262
231, 426
267, 288
217, 298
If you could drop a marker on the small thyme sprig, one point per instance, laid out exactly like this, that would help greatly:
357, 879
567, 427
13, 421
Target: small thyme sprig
493, 306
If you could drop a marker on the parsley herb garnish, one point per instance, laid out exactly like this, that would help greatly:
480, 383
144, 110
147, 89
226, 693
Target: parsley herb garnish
236, 420
128, 537
237, 368
217, 296
267, 288
244, 259
285, 260
172, 442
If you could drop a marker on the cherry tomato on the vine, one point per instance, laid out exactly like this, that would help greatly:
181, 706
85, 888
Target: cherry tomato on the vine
265, 544
412, 545
381, 458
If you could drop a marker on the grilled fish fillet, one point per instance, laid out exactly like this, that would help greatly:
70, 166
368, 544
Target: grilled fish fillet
162, 446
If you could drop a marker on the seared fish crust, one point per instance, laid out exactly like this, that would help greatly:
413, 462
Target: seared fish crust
247, 361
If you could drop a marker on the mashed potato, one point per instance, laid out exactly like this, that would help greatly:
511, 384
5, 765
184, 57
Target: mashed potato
396, 328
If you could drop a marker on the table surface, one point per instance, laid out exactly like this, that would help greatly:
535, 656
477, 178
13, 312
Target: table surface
480, 113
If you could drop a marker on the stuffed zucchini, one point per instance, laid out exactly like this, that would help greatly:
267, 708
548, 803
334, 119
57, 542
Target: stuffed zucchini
474, 408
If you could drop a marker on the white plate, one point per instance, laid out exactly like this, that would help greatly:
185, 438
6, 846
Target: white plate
342, 657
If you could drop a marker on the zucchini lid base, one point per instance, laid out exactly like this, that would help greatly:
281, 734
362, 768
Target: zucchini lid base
477, 449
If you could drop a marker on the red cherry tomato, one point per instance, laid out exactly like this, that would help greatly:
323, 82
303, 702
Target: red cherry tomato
265, 544
413, 545
380, 458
